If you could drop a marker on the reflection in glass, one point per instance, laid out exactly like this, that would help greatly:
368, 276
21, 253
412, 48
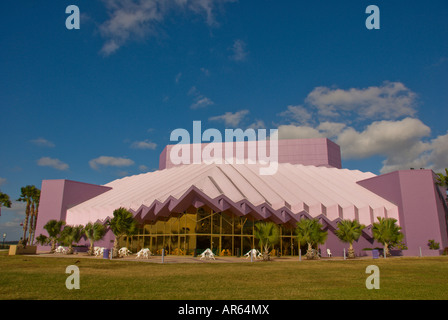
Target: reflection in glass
190, 233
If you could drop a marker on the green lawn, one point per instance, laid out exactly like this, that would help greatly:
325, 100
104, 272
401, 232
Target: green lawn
25, 277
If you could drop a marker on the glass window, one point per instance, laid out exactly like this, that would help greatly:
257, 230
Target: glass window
238, 225
216, 223
203, 222
248, 227
227, 224
160, 227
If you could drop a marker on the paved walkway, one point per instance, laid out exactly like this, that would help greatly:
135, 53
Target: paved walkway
183, 259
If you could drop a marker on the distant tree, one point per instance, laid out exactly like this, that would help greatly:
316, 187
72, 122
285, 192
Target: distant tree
35, 197
27, 196
42, 239
349, 231
387, 232
122, 224
268, 235
54, 229
4, 201
70, 235
309, 231
94, 232
442, 180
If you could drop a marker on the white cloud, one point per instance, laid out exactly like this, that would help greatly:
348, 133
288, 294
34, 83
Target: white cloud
110, 161
403, 143
146, 144
258, 124
201, 101
298, 132
142, 167
331, 129
137, 19
239, 50
41, 142
206, 72
438, 155
178, 76
231, 119
389, 129
391, 100
296, 115
384, 138
53, 163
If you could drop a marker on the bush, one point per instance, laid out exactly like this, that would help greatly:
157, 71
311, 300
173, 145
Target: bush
433, 245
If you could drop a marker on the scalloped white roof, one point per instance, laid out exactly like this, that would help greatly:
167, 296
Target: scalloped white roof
295, 190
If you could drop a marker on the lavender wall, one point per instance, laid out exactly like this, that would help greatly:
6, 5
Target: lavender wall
422, 212
59, 195
317, 152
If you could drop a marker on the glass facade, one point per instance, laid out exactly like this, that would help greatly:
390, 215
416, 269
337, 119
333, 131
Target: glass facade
191, 233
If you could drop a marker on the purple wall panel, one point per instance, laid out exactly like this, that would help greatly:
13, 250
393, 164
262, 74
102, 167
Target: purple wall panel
421, 210
59, 195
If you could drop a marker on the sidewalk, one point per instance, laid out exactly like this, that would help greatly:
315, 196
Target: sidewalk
187, 259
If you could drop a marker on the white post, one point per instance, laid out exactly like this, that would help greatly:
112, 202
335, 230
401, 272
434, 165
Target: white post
163, 255
252, 255
300, 254
420, 249
344, 253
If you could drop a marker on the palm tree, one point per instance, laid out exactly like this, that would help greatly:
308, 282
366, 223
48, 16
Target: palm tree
309, 231
94, 232
387, 232
349, 231
70, 235
122, 224
26, 196
42, 239
4, 201
268, 234
442, 180
35, 197
53, 228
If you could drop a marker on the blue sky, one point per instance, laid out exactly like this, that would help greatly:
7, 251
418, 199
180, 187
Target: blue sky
99, 103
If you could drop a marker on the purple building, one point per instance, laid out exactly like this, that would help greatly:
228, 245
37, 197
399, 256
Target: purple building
184, 208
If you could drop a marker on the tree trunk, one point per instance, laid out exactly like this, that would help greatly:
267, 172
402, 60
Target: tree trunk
351, 251
266, 256
31, 224
25, 224
33, 229
310, 252
90, 252
115, 248
53, 246
386, 250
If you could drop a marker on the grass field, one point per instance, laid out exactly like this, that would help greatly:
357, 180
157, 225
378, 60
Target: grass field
34, 277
